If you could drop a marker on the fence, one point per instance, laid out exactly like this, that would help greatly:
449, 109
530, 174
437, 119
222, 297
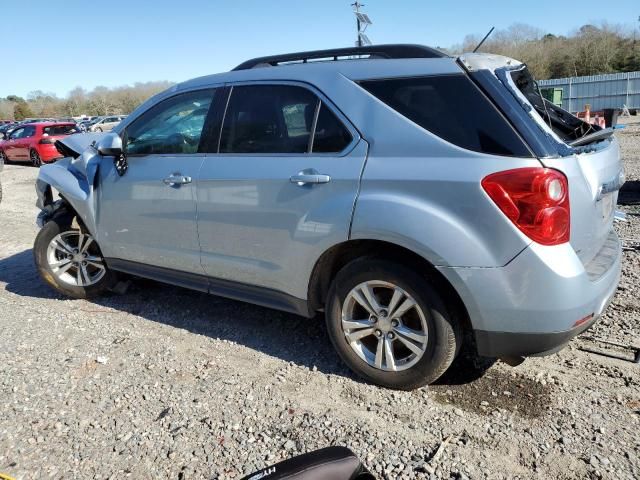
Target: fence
600, 91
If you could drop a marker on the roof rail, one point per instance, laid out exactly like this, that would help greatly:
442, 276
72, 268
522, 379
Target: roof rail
372, 51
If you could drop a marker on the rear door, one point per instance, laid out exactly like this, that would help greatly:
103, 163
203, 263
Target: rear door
148, 215
594, 180
281, 188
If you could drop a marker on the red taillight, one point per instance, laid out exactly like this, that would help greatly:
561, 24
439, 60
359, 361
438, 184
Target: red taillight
47, 140
535, 199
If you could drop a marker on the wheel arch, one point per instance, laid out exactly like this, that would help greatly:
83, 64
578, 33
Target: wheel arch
336, 257
74, 194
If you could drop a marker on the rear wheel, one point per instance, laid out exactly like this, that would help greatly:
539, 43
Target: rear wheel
70, 260
390, 325
98, 129
35, 158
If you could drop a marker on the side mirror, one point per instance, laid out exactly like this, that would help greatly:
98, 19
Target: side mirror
110, 145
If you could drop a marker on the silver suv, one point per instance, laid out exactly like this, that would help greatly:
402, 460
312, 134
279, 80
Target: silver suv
414, 198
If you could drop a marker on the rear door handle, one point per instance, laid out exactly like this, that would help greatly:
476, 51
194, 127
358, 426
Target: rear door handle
309, 178
176, 179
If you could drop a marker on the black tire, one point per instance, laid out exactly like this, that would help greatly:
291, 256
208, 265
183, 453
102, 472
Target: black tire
444, 335
57, 225
34, 156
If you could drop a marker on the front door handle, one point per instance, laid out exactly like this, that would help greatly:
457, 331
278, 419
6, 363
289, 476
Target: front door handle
176, 179
309, 177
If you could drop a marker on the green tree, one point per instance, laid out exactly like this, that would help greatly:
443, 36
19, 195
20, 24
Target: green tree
22, 111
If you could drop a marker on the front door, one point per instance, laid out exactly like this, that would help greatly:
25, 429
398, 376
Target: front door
281, 189
9, 146
148, 215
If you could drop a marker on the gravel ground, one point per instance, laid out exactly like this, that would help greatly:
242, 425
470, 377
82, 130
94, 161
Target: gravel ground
167, 383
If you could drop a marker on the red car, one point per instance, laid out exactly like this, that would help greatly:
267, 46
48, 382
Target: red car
34, 142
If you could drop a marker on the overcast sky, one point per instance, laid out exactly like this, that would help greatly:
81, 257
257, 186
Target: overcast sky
56, 46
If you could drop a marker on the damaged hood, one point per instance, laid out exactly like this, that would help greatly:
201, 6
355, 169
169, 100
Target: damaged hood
83, 155
73, 145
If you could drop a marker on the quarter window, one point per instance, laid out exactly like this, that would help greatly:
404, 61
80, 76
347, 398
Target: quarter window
174, 126
451, 107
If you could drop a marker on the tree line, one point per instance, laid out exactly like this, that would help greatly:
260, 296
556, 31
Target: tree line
99, 101
590, 50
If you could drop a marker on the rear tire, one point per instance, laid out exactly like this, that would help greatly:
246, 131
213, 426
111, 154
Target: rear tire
70, 260
35, 158
398, 349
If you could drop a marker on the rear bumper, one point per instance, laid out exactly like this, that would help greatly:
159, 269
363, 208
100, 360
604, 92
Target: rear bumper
512, 344
538, 302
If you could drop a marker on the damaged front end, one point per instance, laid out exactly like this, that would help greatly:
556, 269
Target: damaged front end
73, 178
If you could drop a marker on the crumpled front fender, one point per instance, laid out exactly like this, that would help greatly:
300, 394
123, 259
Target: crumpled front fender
73, 187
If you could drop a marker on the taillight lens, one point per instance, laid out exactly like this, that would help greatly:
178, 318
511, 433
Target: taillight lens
535, 199
47, 140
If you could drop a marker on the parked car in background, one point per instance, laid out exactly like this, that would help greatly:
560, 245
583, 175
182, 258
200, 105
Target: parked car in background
106, 123
34, 142
85, 123
419, 201
5, 128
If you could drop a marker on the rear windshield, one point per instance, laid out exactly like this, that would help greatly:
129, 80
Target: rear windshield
59, 130
568, 127
451, 107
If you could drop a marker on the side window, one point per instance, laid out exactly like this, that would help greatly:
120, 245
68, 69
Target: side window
331, 135
16, 134
173, 126
451, 107
268, 119
28, 131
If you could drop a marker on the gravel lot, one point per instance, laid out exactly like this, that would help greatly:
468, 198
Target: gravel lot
167, 383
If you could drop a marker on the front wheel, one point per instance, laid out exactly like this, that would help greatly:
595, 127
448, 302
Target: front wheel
70, 260
390, 325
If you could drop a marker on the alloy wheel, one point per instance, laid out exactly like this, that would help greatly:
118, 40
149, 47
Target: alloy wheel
74, 258
384, 325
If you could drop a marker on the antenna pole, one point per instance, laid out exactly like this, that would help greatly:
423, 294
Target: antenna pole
356, 6
483, 40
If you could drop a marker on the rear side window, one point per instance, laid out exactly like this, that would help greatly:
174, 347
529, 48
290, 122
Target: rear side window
451, 107
29, 131
268, 119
